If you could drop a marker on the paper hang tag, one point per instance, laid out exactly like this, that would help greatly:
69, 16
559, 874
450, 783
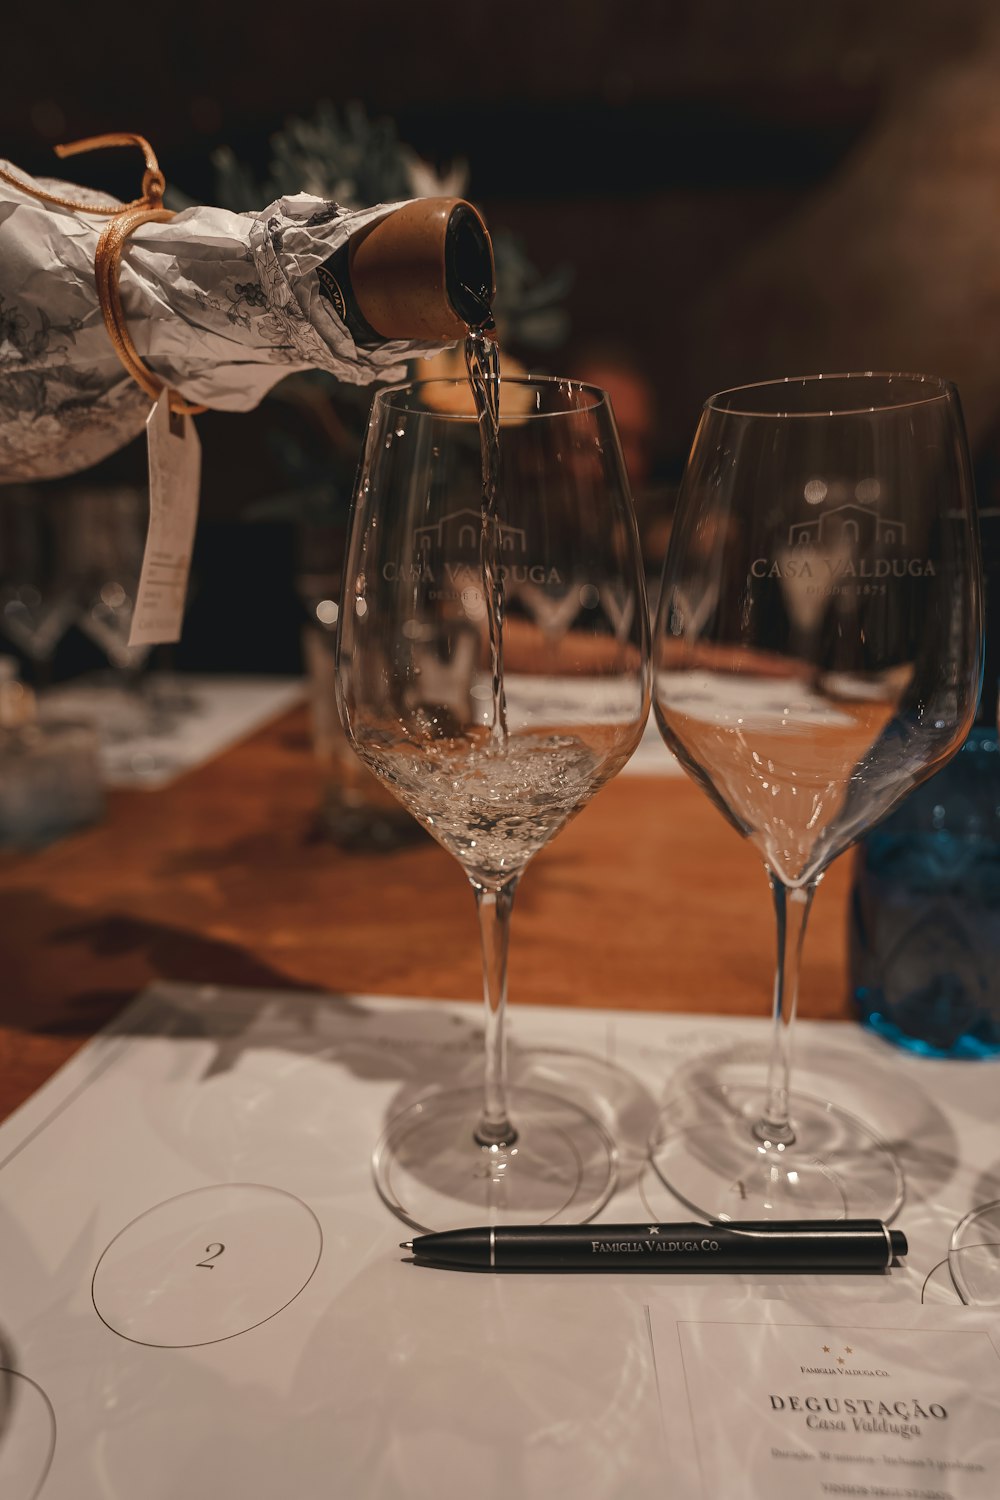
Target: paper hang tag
174, 478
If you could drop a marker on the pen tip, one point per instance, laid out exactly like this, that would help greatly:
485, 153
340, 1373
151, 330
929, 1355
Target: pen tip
406, 1244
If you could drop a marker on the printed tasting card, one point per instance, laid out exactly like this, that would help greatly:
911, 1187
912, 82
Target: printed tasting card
787, 1401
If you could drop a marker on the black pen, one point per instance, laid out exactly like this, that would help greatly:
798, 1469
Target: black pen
767, 1245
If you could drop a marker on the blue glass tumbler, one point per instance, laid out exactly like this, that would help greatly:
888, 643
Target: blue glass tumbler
925, 912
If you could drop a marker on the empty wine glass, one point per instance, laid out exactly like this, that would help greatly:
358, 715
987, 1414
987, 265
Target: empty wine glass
109, 533
37, 597
817, 653
493, 767
974, 1252
106, 531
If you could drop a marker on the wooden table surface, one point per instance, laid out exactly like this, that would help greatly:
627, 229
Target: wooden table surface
648, 900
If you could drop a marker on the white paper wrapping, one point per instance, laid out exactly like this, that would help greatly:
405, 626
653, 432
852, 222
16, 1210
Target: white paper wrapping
220, 305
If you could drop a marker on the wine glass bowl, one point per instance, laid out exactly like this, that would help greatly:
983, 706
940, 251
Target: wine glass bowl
37, 600
974, 1250
108, 531
493, 750
817, 653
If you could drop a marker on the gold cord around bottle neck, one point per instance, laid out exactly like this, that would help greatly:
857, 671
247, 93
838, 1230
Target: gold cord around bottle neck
125, 219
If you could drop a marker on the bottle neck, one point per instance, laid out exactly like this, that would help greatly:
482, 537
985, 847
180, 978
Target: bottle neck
424, 271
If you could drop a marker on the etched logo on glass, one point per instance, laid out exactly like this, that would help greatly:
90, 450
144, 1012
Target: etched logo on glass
847, 548
457, 535
850, 522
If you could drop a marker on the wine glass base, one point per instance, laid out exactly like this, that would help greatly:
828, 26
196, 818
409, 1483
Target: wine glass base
974, 1256
432, 1173
706, 1152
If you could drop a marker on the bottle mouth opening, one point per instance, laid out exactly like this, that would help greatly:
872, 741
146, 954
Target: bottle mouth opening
469, 271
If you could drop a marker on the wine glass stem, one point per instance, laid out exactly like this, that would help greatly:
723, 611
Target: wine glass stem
494, 908
792, 905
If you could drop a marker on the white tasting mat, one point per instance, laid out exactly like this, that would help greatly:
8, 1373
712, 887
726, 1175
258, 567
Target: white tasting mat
202, 1294
186, 721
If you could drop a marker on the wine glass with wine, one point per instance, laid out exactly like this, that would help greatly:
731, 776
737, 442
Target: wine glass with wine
817, 654
493, 737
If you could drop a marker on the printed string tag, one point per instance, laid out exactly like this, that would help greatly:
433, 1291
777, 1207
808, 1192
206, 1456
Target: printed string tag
174, 479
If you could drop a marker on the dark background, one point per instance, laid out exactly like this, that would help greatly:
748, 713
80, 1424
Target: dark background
742, 190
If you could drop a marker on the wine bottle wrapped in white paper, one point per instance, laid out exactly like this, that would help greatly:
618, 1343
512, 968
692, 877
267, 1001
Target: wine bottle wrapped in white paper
220, 305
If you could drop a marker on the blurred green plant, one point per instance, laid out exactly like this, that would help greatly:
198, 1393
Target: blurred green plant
315, 426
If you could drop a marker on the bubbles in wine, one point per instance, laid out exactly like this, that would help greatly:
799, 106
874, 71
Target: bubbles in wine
492, 812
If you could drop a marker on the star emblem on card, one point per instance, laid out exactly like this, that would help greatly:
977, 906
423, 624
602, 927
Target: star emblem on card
654, 1228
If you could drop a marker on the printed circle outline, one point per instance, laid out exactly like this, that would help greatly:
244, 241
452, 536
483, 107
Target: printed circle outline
53, 1425
211, 1187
